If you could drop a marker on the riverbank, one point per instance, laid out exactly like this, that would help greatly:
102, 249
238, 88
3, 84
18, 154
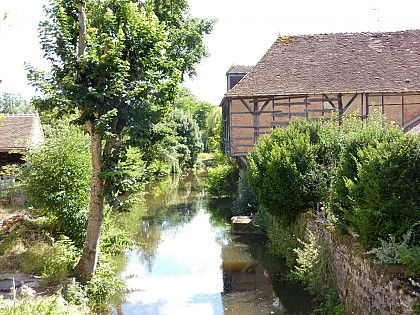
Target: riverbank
363, 286
15, 239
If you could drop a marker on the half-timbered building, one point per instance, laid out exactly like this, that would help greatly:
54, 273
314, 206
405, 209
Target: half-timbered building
310, 76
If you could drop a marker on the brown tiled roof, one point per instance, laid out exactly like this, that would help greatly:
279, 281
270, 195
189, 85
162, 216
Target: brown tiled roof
239, 69
19, 132
347, 62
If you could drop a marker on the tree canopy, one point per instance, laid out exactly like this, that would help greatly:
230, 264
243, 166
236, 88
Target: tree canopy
117, 65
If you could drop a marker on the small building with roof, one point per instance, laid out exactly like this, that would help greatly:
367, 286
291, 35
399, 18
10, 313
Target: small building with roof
18, 132
310, 76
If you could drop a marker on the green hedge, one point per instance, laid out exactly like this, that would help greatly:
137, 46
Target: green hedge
284, 173
385, 197
357, 135
371, 169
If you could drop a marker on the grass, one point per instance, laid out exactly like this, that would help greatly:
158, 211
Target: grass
52, 305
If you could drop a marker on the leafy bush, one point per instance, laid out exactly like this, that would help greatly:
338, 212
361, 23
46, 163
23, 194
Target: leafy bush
57, 178
282, 237
385, 196
132, 171
213, 136
104, 285
410, 257
356, 135
186, 101
221, 181
114, 241
309, 260
74, 293
284, 174
188, 134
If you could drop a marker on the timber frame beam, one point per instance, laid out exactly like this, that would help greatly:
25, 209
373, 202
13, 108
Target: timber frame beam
270, 111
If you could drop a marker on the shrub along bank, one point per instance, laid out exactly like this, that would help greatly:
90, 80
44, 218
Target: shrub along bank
364, 175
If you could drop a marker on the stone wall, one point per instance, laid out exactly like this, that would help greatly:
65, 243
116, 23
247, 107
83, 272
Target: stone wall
365, 288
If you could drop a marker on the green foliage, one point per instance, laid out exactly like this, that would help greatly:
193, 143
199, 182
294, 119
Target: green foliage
222, 180
282, 241
281, 235
399, 252
56, 179
123, 76
54, 263
74, 294
175, 144
213, 137
385, 196
14, 104
184, 33
104, 285
416, 308
133, 171
189, 138
357, 135
284, 173
188, 102
42, 305
309, 262
312, 268
410, 257
389, 251
114, 241
245, 202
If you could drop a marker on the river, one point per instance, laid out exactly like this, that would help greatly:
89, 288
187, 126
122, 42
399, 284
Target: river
188, 263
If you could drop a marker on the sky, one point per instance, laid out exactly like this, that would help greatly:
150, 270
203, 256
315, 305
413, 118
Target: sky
244, 31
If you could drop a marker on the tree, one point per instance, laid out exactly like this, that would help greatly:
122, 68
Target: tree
188, 134
200, 110
187, 101
14, 104
175, 144
213, 136
117, 65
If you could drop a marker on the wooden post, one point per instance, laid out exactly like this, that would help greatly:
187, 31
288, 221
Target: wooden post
256, 120
367, 105
340, 108
383, 102
402, 109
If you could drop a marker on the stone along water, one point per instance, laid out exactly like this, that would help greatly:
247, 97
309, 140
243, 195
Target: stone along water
188, 263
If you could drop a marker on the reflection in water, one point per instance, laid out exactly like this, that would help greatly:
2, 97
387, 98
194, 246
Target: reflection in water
187, 263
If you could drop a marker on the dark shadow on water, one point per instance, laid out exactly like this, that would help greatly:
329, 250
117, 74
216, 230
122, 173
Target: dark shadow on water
250, 272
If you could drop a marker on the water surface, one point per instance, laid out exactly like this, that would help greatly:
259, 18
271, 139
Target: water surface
188, 263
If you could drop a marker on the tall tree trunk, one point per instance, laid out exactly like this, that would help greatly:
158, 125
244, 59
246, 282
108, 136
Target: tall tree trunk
82, 29
85, 268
